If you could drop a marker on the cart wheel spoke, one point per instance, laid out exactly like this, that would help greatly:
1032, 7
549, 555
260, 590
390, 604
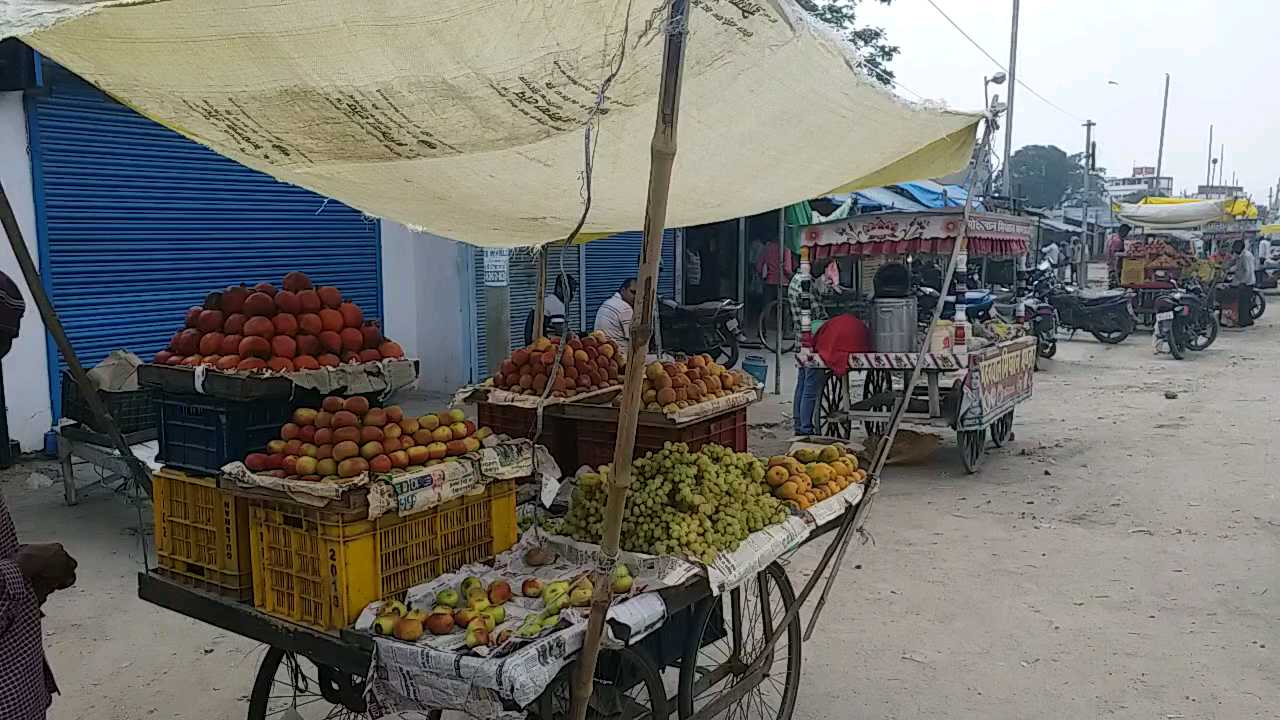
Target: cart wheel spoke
972, 448
628, 687
833, 419
877, 382
288, 681
1001, 429
773, 696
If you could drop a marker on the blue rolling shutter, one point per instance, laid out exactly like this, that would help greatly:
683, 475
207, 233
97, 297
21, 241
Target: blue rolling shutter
613, 259
137, 223
524, 290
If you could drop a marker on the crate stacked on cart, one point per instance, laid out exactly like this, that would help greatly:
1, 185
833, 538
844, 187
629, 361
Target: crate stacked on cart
202, 534
320, 567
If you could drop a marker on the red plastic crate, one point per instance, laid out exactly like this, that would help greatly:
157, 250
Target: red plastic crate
519, 422
595, 439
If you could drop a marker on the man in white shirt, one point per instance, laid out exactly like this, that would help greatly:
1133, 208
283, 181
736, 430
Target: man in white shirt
1053, 255
614, 316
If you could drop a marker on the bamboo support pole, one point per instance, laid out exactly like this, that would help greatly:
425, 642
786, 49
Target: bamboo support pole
662, 153
540, 302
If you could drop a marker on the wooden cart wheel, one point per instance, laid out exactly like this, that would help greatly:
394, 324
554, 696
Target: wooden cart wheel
877, 382
1001, 428
628, 687
973, 445
833, 418
289, 681
729, 633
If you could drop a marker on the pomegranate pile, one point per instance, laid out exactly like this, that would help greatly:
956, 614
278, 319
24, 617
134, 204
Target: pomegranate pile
295, 327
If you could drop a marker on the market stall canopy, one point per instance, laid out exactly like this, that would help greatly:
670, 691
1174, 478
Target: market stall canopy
467, 119
1270, 230
1170, 216
1239, 208
931, 232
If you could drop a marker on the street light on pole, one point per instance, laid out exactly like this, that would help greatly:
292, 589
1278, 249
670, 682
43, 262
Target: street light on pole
997, 79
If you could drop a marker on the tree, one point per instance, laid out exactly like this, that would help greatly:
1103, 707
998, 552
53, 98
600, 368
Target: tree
1045, 176
871, 42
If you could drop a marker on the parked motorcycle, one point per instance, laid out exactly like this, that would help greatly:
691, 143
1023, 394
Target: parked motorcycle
1203, 325
977, 305
1175, 313
1043, 319
710, 327
1106, 315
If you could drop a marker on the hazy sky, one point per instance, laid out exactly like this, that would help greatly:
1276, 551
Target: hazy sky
1224, 59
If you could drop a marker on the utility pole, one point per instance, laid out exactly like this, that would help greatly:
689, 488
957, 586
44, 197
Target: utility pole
1208, 164
1164, 115
1082, 268
1008, 113
1222, 163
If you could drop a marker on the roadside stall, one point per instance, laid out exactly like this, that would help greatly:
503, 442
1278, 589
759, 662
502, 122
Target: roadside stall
972, 384
389, 585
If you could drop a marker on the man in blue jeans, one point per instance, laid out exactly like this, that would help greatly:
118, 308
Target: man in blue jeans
808, 379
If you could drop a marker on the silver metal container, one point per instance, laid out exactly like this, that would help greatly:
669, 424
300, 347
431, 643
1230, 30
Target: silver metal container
893, 324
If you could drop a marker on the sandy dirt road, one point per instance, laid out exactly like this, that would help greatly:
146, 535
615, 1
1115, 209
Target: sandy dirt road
1121, 558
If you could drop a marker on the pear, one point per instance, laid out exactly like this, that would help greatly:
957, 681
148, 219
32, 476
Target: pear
499, 592
622, 580
479, 603
477, 634
471, 582
416, 614
409, 629
559, 588
440, 623
553, 605
449, 597
580, 596
394, 607
385, 624
464, 616
496, 612
532, 587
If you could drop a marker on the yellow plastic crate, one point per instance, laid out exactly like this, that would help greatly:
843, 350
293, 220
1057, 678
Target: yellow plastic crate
321, 568
202, 534
1133, 271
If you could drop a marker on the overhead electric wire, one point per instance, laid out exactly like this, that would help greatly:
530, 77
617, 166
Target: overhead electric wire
1000, 65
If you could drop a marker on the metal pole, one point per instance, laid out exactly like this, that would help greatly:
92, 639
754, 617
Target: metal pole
1208, 163
1008, 113
1082, 263
1164, 114
1222, 163
141, 476
662, 153
777, 351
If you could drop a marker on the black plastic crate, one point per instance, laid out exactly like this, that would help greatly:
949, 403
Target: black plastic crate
133, 410
201, 433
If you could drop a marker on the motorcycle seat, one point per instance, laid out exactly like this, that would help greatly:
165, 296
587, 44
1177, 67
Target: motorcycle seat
1102, 297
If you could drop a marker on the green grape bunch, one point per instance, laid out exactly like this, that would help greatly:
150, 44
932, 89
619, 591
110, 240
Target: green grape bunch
694, 504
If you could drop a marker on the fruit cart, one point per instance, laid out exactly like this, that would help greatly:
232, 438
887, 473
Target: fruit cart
972, 392
735, 652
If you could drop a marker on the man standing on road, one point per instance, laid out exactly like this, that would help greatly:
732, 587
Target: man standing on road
614, 316
1246, 276
1114, 253
28, 573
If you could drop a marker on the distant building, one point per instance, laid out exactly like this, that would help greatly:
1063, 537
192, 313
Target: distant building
1142, 183
1219, 192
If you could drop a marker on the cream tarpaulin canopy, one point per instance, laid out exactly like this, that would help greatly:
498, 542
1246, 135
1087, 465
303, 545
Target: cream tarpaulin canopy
1170, 216
466, 118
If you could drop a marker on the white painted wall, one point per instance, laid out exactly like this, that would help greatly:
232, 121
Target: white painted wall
424, 286
26, 384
